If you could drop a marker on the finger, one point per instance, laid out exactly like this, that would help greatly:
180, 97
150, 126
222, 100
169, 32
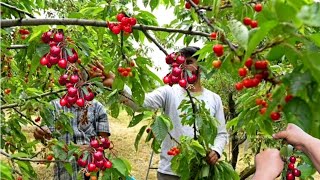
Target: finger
99, 65
213, 160
91, 65
280, 135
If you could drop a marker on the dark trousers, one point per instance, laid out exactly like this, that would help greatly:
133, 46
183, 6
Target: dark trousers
162, 176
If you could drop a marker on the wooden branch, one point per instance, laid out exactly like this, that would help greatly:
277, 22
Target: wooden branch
154, 41
86, 22
16, 9
194, 110
222, 38
17, 46
267, 46
30, 160
247, 172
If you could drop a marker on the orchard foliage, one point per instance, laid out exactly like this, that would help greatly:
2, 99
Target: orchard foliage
279, 85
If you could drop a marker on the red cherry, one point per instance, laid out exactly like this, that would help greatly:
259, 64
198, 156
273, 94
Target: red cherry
44, 61
174, 64
259, 101
247, 21
242, 72
254, 24
216, 64
263, 110
248, 63
297, 172
71, 100
239, 86
213, 35
110, 25
62, 63
196, 1
166, 80
175, 79
180, 59
132, 21
63, 102
73, 58
72, 91
192, 79
264, 103
276, 116
218, 50
49, 157
247, 83
99, 164
7, 91
105, 143
125, 73
89, 96
187, 5
288, 98
55, 50
255, 82
58, 37
183, 83
49, 65
74, 78
292, 159
91, 167
108, 164
98, 156
116, 30
37, 119
82, 163
53, 60
127, 29
80, 102
120, 16
258, 7
176, 71
258, 76
261, 64
46, 37
94, 143
24, 31
290, 176
125, 21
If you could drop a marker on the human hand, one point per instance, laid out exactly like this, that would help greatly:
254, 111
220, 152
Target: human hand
294, 136
96, 70
41, 134
269, 165
212, 157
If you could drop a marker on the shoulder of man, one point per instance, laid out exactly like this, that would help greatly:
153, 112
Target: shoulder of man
213, 94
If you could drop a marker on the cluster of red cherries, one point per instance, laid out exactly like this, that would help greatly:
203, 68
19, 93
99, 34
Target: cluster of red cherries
253, 23
173, 151
58, 55
24, 33
124, 24
188, 5
292, 172
177, 74
97, 160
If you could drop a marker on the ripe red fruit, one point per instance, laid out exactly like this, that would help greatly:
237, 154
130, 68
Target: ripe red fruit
261, 65
108, 164
125, 73
63, 79
94, 143
116, 30
132, 21
291, 166
297, 172
239, 86
288, 98
125, 21
148, 130
120, 16
169, 59
166, 80
121, 69
7, 91
248, 63
53, 60
258, 7
44, 61
132, 63
213, 35
180, 59
74, 78
174, 79
19, 178
247, 83
216, 64
82, 163
170, 153
292, 159
37, 119
242, 72
55, 50
259, 101
89, 96
187, 5
91, 167
218, 50
183, 83
49, 65
71, 100
58, 37
258, 76
290, 176
275, 116
24, 31
80, 102
255, 82
62, 63
263, 110
192, 79
264, 103
98, 156
254, 24
105, 143
110, 25
247, 21
174, 64
196, 1
176, 71
72, 91
46, 37
49, 157
63, 102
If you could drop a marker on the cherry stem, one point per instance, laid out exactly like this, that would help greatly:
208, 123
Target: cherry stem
194, 110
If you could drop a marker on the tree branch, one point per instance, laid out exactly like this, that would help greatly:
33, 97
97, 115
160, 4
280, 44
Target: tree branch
28, 159
16, 9
247, 172
267, 46
194, 110
85, 22
223, 39
29, 98
17, 46
154, 41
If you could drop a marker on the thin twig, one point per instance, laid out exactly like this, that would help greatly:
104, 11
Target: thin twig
30, 160
154, 41
16, 9
194, 110
172, 138
17, 46
267, 46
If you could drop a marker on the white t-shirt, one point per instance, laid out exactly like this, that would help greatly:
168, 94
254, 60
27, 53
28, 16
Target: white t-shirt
169, 98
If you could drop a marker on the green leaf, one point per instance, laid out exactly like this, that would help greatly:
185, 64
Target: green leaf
6, 171
120, 166
315, 38
137, 92
42, 49
312, 61
159, 128
310, 15
68, 167
306, 170
257, 35
154, 4
240, 32
198, 147
138, 137
136, 119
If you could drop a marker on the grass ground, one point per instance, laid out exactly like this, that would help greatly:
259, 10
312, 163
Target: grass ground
123, 139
